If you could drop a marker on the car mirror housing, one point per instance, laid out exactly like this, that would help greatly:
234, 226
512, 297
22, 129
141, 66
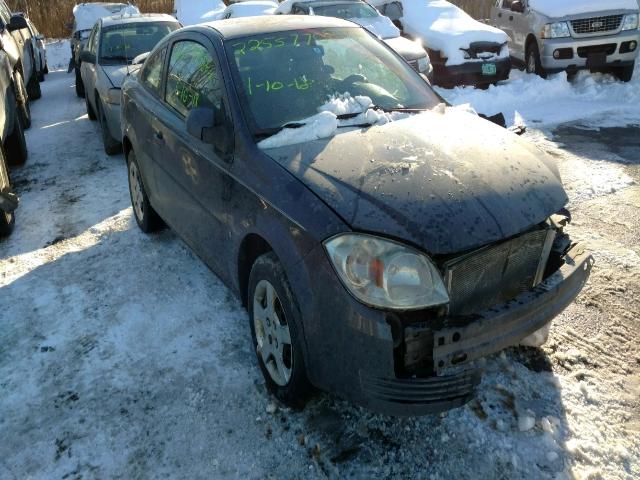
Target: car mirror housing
17, 22
87, 57
209, 126
517, 7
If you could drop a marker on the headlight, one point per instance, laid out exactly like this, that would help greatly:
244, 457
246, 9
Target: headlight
424, 64
630, 22
556, 30
113, 96
386, 274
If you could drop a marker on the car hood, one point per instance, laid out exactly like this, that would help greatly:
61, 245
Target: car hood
446, 182
380, 26
117, 74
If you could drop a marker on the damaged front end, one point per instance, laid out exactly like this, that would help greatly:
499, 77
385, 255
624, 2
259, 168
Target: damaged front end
499, 295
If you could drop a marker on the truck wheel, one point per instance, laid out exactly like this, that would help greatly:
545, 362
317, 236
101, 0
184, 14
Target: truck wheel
146, 217
275, 330
23, 100
33, 87
111, 145
534, 65
7, 220
90, 112
16, 144
79, 84
625, 74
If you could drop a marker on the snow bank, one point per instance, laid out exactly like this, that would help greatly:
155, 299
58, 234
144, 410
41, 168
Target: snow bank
542, 102
446, 28
192, 12
556, 9
58, 54
88, 14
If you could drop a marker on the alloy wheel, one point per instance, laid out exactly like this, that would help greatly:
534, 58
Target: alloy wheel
135, 185
272, 333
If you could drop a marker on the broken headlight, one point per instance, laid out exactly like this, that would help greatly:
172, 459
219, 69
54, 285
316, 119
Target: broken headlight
386, 274
556, 30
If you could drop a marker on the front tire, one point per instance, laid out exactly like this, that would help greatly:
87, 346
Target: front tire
79, 85
7, 220
17, 152
146, 217
23, 100
90, 112
111, 145
534, 65
276, 332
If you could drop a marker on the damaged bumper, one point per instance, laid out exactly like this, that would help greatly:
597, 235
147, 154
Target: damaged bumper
465, 340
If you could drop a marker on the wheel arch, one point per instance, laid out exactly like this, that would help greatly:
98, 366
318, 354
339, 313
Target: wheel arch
251, 248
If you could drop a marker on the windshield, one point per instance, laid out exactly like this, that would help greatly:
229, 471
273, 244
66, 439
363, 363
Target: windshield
286, 77
345, 10
122, 43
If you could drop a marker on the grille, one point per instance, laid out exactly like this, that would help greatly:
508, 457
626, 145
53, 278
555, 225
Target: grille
494, 274
607, 49
597, 24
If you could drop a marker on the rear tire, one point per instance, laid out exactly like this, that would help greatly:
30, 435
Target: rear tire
625, 74
146, 217
276, 333
7, 220
79, 85
16, 144
23, 100
533, 63
33, 87
111, 145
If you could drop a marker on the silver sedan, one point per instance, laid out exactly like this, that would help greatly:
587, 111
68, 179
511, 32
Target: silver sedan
109, 57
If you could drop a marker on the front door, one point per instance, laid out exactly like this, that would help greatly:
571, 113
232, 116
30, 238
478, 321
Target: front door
192, 178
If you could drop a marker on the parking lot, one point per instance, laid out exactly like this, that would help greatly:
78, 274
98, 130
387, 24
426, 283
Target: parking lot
123, 356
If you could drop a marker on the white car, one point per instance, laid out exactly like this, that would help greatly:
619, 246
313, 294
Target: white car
368, 17
192, 12
462, 50
249, 8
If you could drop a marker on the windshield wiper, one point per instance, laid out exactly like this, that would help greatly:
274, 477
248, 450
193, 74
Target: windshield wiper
266, 133
348, 116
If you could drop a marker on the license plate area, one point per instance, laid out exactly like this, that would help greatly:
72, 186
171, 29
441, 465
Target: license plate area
597, 60
489, 69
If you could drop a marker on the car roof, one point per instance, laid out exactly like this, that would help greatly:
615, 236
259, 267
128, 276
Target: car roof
137, 18
244, 26
322, 3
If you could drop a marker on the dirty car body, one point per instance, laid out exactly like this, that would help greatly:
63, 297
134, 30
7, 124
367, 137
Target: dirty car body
408, 247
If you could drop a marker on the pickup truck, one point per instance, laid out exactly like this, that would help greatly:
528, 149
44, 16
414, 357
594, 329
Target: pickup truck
548, 36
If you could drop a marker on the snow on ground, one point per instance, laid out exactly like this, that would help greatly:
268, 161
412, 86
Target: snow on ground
543, 103
122, 355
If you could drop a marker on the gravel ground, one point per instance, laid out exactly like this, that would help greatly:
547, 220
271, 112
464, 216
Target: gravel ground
123, 356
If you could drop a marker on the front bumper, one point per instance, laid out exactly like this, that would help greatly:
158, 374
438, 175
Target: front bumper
114, 124
358, 356
576, 62
469, 73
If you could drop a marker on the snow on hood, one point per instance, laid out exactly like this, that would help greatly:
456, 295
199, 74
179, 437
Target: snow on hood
556, 9
87, 14
446, 28
117, 74
190, 12
381, 26
325, 124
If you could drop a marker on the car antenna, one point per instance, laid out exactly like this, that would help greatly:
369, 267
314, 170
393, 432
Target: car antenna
124, 49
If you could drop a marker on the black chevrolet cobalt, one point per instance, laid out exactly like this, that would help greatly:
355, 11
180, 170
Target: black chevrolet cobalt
381, 240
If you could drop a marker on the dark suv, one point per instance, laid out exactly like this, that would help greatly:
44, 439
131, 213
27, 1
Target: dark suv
15, 42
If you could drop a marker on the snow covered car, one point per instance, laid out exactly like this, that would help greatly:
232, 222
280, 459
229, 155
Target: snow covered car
462, 50
250, 8
39, 51
13, 147
192, 12
107, 60
551, 37
85, 16
14, 41
377, 237
365, 15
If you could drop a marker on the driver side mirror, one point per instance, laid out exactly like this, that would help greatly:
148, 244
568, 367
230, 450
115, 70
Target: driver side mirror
517, 6
87, 57
209, 126
17, 22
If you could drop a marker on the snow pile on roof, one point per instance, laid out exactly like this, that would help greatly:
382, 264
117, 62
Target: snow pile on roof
556, 9
381, 26
285, 7
549, 102
87, 14
190, 12
446, 28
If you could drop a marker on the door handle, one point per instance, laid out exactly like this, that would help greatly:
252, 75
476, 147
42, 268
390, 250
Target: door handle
511, 18
500, 15
158, 135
